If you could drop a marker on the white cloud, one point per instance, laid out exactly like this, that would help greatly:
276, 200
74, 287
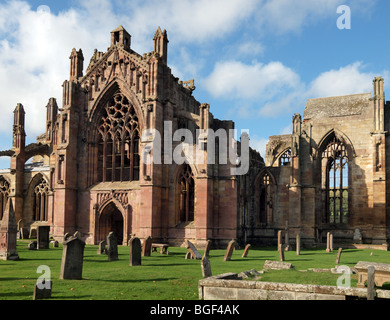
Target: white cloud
238, 80
350, 79
258, 144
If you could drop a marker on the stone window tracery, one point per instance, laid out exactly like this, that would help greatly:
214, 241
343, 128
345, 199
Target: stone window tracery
266, 199
187, 195
285, 158
41, 192
4, 193
336, 182
118, 147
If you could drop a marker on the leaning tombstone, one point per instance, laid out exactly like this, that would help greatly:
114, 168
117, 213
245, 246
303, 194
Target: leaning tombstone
43, 237
32, 245
194, 252
102, 247
331, 242
206, 267
207, 249
328, 242
66, 236
72, 259
42, 290
339, 255
135, 251
112, 247
54, 243
147, 247
246, 250
229, 250
279, 238
8, 234
188, 256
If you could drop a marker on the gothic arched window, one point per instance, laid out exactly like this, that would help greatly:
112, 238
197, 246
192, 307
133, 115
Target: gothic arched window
4, 193
266, 199
41, 191
335, 164
285, 158
186, 195
118, 147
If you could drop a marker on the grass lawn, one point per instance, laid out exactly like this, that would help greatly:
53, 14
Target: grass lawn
161, 277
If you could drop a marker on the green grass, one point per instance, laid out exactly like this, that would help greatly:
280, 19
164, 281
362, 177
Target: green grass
161, 277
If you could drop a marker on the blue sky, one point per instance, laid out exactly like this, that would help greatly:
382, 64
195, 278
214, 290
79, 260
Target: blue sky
254, 61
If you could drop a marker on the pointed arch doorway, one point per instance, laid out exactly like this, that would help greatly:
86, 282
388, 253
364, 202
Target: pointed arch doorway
111, 219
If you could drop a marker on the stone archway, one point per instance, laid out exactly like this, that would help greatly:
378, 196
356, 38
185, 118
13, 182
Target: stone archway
111, 219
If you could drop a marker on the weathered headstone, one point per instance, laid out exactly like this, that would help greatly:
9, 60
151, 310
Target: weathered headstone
276, 265
32, 245
207, 249
194, 252
33, 233
246, 250
371, 283
66, 236
281, 252
331, 242
102, 247
229, 250
54, 243
147, 247
23, 233
112, 247
357, 237
72, 259
298, 244
339, 255
206, 268
135, 251
328, 242
280, 238
77, 234
43, 237
8, 232
42, 290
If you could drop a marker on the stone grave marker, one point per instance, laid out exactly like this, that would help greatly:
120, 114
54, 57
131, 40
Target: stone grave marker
102, 247
281, 252
188, 255
72, 259
328, 242
32, 245
43, 237
42, 290
357, 237
207, 249
33, 233
194, 252
246, 250
276, 265
298, 244
66, 236
229, 250
206, 268
8, 231
54, 243
339, 255
135, 251
287, 238
280, 238
147, 247
112, 247
371, 283
331, 242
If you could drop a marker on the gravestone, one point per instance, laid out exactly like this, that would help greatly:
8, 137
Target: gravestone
194, 252
23, 233
287, 238
43, 237
33, 233
147, 247
102, 247
328, 242
339, 255
66, 236
276, 265
357, 237
112, 247
298, 244
206, 267
281, 252
280, 238
42, 290
32, 245
135, 250
72, 259
207, 249
54, 243
371, 283
8, 231
246, 250
331, 242
229, 250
